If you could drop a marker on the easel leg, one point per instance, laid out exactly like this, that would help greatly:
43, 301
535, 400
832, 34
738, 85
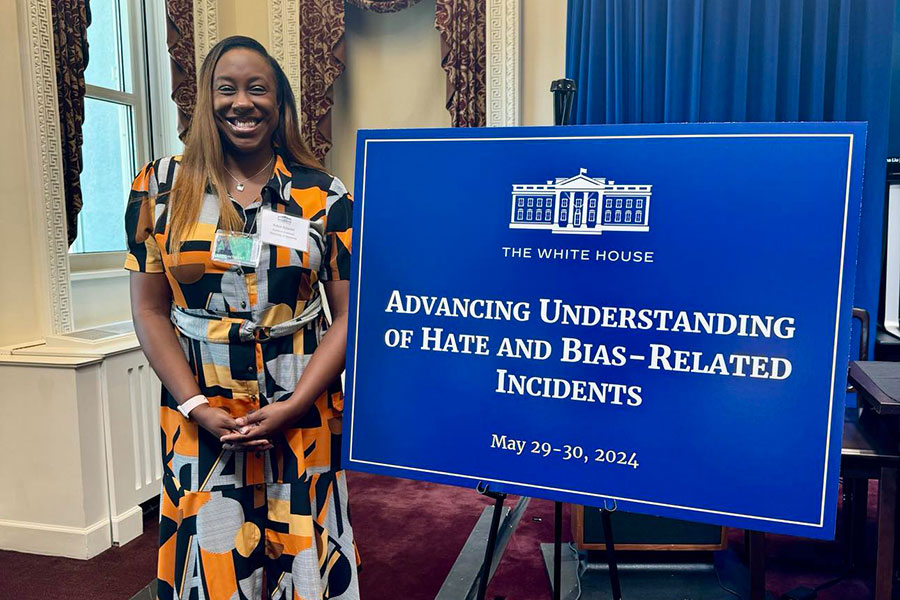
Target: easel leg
557, 550
884, 561
859, 501
491, 543
757, 565
611, 555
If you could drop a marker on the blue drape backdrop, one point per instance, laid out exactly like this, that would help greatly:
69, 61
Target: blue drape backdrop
658, 61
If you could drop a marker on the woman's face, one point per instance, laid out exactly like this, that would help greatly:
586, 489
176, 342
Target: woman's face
245, 101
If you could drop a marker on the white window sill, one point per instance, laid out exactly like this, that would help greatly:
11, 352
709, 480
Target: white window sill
96, 265
98, 274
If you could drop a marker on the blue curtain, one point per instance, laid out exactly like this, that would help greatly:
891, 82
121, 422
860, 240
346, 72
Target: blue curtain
660, 61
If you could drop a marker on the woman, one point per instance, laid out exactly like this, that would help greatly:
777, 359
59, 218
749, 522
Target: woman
229, 244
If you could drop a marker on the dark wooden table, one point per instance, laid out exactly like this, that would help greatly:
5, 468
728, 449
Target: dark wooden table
870, 450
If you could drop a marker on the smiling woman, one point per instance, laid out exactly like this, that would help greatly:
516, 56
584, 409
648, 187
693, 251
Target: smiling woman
245, 105
247, 92
253, 495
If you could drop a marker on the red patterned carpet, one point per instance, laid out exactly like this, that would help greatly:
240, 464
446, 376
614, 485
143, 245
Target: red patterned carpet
409, 535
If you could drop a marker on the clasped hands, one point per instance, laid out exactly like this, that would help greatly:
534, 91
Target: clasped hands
250, 433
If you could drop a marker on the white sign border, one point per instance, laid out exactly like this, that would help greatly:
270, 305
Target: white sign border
820, 524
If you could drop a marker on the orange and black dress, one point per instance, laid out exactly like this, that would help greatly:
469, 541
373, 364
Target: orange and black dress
230, 521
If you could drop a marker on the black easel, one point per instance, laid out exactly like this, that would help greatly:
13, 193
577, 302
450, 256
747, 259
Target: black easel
485, 574
469, 577
563, 98
563, 91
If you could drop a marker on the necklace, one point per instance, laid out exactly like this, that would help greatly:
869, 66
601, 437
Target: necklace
239, 185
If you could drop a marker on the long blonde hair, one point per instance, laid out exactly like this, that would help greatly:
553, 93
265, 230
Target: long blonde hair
203, 161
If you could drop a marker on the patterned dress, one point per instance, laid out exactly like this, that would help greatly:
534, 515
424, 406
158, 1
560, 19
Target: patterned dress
232, 523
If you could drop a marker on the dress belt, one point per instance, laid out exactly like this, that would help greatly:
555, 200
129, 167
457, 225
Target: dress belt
201, 325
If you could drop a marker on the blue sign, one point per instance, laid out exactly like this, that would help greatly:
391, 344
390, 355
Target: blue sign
653, 314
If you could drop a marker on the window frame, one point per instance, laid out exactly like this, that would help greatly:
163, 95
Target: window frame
154, 124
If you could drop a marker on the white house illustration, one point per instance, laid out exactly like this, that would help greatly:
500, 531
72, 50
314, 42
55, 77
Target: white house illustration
581, 205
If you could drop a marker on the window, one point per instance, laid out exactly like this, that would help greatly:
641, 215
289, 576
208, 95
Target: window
607, 216
564, 216
618, 216
609, 203
547, 216
521, 201
117, 117
638, 216
540, 202
592, 215
564, 202
618, 203
628, 216
592, 203
539, 215
531, 202
519, 214
628, 203
639, 203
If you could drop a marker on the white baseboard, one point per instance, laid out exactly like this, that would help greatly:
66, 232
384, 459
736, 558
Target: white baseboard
127, 526
56, 540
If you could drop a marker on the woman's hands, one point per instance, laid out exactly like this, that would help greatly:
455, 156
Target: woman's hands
255, 429
219, 423
324, 366
151, 301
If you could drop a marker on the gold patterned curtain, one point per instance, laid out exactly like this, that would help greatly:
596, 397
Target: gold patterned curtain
383, 6
180, 41
321, 63
461, 24
71, 19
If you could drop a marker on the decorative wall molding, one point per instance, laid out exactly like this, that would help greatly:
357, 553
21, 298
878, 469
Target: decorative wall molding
503, 62
45, 160
284, 39
56, 540
206, 28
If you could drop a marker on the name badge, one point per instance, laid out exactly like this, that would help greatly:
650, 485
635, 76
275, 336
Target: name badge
236, 248
279, 229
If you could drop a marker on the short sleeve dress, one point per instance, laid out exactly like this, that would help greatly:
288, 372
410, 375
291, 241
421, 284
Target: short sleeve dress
231, 522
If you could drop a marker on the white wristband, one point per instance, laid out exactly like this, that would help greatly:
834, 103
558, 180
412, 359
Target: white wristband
191, 403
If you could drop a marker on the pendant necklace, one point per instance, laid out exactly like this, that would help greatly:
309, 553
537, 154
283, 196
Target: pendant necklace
239, 185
